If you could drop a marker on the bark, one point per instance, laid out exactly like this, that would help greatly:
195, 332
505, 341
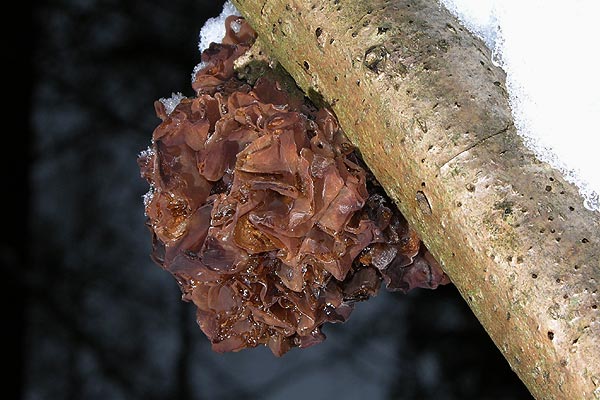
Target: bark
421, 99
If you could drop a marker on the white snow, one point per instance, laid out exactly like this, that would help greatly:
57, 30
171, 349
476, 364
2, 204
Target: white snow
149, 152
172, 102
198, 67
548, 50
147, 197
214, 28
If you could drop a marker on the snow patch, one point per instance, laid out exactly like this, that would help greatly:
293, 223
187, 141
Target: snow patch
148, 153
548, 52
214, 28
172, 102
201, 65
147, 198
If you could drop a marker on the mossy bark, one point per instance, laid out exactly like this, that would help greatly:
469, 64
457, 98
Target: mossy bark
421, 99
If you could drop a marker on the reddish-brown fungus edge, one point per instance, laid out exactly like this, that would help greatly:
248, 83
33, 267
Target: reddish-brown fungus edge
264, 212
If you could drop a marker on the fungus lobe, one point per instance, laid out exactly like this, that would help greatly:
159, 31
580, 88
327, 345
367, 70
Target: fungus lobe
264, 213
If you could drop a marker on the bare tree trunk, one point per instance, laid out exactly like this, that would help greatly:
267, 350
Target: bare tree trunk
421, 99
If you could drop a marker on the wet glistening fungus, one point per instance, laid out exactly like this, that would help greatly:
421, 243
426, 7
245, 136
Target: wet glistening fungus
264, 212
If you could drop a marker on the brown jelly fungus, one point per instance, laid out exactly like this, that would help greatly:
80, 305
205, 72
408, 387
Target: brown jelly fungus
264, 213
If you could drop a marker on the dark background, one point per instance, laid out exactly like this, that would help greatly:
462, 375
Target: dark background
91, 317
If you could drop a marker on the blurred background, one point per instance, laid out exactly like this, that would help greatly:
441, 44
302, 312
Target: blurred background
94, 318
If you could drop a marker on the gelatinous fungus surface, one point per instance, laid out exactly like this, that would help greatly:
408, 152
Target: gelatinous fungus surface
264, 213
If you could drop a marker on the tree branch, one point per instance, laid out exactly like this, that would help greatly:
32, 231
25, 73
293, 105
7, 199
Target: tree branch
421, 99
